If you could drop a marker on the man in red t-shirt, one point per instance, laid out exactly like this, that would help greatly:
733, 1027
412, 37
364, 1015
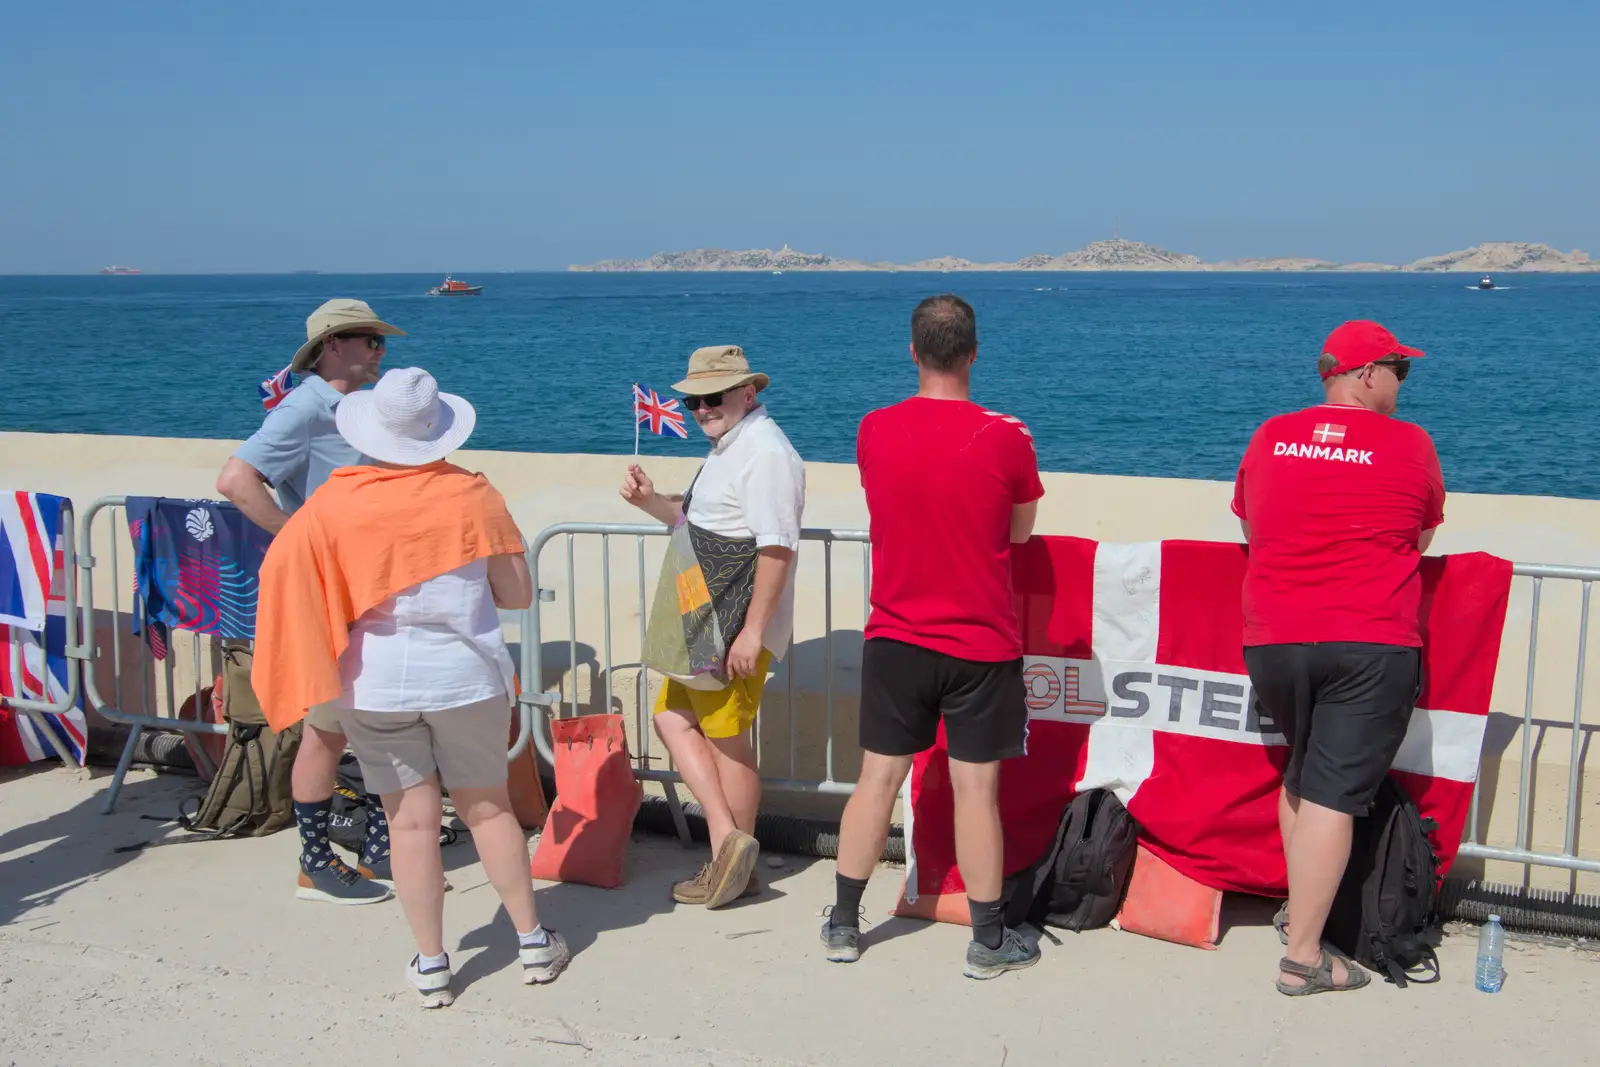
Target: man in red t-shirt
1338, 503
950, 488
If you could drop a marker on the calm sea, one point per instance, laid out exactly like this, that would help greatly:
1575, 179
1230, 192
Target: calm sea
1163, 374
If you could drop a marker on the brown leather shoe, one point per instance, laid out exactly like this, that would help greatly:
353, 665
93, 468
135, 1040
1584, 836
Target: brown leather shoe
753, 889
696, 890
731, 870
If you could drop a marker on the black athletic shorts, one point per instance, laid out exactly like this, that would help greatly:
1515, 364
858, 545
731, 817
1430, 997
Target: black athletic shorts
906, 690
1344, 706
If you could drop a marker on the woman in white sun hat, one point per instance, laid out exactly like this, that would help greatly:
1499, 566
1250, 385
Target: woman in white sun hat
400, 565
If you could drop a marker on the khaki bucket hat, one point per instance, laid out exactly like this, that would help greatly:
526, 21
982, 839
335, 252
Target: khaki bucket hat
337, 316
716, 368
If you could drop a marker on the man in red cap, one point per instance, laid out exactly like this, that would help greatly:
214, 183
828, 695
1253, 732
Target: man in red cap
1338, 502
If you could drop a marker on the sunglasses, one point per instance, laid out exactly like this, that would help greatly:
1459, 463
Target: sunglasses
1401, 367
375, 341
709, 400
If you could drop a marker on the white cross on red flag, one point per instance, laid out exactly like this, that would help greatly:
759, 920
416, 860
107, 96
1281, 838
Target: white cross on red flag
1328, 433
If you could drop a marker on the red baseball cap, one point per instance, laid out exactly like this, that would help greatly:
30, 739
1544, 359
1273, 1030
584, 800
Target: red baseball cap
1355, 344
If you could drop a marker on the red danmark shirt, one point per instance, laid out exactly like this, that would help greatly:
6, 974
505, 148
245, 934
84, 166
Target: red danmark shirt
1336, 498
941, 478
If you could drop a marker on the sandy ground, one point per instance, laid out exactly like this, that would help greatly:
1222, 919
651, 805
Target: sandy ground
189, 952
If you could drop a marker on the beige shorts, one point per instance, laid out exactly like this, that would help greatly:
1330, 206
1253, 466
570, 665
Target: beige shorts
399, 749
325, 717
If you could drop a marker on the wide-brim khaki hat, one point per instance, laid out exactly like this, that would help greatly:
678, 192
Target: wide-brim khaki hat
719, 367
337, 316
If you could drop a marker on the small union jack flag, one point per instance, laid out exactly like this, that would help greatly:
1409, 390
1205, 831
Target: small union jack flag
1328, 433
275, 388
661, 417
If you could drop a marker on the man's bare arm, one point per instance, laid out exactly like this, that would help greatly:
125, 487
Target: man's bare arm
244, 486
1023, 517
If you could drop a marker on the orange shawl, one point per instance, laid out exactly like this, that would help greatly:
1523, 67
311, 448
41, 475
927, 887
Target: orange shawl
365, 535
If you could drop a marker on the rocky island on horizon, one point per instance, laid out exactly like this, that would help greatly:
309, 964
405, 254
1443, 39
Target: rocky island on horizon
1116, 254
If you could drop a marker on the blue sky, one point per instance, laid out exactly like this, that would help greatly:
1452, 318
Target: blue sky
479, 136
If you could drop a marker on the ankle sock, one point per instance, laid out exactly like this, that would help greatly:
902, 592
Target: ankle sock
312, 819
535, 938
988, 921
428, 963
375, 848
847, 901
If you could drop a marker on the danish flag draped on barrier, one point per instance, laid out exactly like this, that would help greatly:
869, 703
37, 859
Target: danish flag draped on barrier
1136, 683
33, 630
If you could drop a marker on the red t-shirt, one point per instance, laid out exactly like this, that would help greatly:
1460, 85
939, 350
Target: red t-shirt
941, 478
1336, 498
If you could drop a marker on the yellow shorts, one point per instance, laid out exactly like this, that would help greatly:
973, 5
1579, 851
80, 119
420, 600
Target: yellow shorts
725, 712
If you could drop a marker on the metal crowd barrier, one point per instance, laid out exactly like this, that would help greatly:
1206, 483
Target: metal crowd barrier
74, 651
1519, 852
552, 702
147, 717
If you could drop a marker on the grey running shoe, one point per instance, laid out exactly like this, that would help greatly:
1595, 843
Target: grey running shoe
433, 985
544, 963
336, 883
842, 942
1015, 953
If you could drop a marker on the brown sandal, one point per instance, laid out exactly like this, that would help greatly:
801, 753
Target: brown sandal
1280, 923
1319, 979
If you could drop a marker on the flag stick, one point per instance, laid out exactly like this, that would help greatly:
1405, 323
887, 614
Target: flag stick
636, 421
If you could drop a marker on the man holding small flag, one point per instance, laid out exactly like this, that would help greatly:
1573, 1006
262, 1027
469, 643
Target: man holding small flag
744, 506
297, 447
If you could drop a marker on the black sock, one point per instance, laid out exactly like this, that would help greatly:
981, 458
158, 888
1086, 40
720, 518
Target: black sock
376, 846
312, 818
988, 921
847, 901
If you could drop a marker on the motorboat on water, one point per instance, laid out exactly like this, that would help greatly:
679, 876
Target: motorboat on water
451, 287
1486, 282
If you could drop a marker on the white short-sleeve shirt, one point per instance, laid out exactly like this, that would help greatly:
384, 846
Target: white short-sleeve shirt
433, 646
753, 485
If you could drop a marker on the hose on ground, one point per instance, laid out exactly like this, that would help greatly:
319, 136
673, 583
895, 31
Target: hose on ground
776, 833
1537, 911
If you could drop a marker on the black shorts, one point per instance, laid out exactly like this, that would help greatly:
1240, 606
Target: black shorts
906, 690
1345, 707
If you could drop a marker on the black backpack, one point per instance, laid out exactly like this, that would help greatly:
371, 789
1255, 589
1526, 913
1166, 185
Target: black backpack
1386, 915
1079, 882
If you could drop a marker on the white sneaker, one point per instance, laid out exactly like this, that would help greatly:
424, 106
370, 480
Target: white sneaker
433, 984
543, 963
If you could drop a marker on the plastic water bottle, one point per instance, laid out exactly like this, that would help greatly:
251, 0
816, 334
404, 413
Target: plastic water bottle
1491, 943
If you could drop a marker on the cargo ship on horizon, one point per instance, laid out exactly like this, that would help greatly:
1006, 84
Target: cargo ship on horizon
120, 270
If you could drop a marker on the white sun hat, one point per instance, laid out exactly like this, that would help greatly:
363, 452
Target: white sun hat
404, 419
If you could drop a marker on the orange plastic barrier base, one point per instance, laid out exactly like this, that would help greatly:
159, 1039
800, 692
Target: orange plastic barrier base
1164, 904
586, 836
937, 907
522, 776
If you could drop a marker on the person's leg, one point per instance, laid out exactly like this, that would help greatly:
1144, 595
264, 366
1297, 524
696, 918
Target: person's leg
1361, 707
980, 846
323, 875
1280, 684
899, 717
692, 755
414, 814
986, 722
740, 781
469, 744
864, 829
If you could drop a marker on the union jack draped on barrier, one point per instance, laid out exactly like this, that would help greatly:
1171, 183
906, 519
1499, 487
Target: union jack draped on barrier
1136, 683
33, 634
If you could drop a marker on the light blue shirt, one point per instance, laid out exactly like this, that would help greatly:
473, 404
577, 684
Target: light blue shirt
298, 444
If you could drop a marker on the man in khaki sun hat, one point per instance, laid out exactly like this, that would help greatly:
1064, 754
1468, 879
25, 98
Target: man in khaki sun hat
745, 502
294, 451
